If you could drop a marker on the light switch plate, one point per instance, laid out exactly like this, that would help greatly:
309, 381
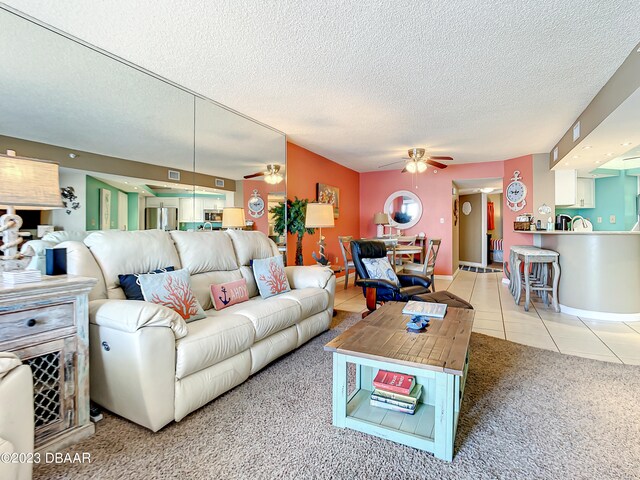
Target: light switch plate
612, 219
599, 220
441, 220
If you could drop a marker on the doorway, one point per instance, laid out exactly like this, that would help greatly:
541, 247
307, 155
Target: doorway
477, 233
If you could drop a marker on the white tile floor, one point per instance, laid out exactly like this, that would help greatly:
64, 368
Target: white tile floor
496, 314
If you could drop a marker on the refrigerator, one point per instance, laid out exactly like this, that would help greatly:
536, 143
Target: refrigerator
161, 218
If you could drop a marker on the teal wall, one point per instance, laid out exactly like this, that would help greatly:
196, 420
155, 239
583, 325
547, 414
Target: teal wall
93, 203
614, 196
133, 212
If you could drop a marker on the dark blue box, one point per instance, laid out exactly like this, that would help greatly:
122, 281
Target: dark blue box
56, 261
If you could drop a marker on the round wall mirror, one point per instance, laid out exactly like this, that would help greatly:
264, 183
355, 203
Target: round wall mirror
404, 209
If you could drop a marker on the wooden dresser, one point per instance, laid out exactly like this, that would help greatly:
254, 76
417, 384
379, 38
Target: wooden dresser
46, 324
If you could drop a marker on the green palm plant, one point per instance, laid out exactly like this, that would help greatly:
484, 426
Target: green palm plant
291, 219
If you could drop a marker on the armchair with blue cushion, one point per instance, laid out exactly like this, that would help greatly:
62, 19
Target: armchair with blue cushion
377, 290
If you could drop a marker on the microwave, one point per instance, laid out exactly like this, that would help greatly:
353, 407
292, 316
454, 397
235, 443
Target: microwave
212, 215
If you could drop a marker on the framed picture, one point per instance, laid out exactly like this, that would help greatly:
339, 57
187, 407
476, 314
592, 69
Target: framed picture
328, 194
105, 209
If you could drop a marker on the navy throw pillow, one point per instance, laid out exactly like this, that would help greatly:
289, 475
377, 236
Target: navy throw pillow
131, 285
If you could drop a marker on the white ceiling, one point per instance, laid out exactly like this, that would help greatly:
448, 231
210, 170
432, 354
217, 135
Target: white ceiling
360, 82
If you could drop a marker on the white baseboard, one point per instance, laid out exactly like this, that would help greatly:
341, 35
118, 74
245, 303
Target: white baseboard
606, 316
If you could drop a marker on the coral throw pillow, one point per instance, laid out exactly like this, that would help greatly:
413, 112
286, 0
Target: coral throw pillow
131, 285
270, 276
380, 268
173, 290
226, 294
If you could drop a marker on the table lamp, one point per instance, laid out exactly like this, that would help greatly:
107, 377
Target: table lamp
319, 215
233, 217
29, 185
380, 219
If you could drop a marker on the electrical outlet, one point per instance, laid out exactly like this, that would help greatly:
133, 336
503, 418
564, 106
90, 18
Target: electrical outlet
599, 220
336, 260
612, 219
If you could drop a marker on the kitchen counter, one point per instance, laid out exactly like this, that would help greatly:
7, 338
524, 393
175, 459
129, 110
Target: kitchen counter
600, 272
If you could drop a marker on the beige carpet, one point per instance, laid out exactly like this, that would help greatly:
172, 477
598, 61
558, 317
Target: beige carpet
527, 413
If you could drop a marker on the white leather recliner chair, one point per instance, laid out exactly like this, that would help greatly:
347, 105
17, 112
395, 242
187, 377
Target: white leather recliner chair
16, 415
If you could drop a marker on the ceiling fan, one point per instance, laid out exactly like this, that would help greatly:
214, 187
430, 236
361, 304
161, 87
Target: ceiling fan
270, 176
417, 162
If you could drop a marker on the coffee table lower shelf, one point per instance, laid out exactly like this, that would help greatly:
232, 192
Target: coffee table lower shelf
431, 428
413, 430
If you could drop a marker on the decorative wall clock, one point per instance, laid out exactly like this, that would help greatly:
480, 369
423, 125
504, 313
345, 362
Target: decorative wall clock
255, 205
516, 192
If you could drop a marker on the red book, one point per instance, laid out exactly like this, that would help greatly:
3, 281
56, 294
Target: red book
394, 382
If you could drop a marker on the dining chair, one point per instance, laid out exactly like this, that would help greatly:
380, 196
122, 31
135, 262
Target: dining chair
427, 269
404, 252
345, 248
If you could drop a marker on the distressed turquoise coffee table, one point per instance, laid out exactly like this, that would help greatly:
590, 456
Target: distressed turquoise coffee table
438, 358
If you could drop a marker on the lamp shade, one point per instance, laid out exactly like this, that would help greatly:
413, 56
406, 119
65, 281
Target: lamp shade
233, 217
319, 215
381, 218
25, 182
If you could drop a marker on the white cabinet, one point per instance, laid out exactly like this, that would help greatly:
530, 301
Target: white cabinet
162, 202
191, 210
573, 191
566, 187
586, 193
213, 204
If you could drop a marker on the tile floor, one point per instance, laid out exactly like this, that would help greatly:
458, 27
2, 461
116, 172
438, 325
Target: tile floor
498, 315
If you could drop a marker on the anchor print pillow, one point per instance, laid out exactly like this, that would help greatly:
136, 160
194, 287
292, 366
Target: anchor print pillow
270, 276
226, 294
173, 290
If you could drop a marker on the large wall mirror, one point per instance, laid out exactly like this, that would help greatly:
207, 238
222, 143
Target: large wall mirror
404, 209
162, 156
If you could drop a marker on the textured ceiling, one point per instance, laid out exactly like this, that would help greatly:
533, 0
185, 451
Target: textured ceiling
360, 82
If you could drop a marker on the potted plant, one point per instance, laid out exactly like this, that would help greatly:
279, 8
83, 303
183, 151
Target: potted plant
291, 219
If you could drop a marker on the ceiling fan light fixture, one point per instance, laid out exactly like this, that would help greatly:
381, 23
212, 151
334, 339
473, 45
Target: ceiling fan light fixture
273, 178
422, 166
412, 167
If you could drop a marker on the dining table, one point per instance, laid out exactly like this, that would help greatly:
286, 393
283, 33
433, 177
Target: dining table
395, 249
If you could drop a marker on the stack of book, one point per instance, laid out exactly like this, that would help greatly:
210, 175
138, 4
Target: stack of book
395, 391
21, 276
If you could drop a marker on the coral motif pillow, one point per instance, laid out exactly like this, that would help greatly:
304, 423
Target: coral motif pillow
131, 285
226, 294
380, 268
270, 276
173, 290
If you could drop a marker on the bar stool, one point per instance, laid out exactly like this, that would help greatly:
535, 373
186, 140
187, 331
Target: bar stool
536, 275
512, 272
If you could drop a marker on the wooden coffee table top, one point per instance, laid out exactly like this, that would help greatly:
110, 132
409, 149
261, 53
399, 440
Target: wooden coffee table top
383, 336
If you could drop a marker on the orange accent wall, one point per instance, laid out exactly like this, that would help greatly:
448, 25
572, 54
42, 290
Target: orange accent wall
304, 170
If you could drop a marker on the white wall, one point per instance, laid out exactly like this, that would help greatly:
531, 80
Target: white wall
76, 220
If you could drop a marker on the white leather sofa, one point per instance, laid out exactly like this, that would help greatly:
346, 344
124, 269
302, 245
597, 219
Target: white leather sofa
16, 416
146, 363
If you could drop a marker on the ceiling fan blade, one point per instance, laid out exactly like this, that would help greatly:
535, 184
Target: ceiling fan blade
433, 157
404, 170
389, 164
261, 174
630, 158
436, 164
